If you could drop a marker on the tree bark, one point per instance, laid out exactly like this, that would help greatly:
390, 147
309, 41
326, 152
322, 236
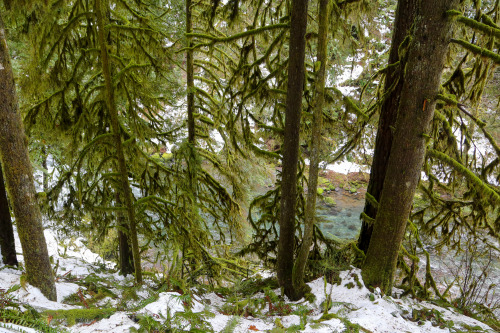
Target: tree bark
190, 76
423, 70
405, 14
312, 186
126, 261
115, 127
20, 182
286, 243
7, 242
45, 178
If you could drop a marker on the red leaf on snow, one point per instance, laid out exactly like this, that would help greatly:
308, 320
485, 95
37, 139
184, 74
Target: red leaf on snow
253, 328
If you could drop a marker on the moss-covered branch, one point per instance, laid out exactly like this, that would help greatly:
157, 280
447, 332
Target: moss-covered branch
480, 186
478, 26
477, 50
247, 33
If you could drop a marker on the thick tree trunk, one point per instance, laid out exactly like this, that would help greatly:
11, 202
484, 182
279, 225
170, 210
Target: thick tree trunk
115, 127
423, 70
405, 14
7, 242
20, 182
310, 212
286, 243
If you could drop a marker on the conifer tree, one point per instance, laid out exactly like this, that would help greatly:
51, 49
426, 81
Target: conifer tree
426, 56
315, 147
19, 180
286, 243
115, 126
394, 80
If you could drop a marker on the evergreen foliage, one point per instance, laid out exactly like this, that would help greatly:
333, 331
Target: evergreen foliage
192, 203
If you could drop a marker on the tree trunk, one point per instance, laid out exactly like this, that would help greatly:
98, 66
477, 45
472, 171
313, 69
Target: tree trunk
190, 76
20, 182
286, 243
115, 127
45, 178
310, 211
7, 242
423, 70
126, 261
405, 14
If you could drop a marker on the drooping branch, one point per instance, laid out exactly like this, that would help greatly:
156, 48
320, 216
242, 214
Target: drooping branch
482, 187
247, 33
477, 50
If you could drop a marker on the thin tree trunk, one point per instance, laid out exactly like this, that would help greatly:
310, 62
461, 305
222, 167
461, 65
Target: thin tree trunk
115, 127
45, 178
423, 70
7, 242
20, 182
310, 212
126, 261
286, 243
190, 76
405, 14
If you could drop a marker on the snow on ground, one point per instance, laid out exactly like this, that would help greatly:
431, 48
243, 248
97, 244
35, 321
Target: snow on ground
334, 308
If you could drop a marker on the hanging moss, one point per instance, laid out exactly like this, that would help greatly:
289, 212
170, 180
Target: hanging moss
367, 219
480, 186
215, 39
477, 50
478, 26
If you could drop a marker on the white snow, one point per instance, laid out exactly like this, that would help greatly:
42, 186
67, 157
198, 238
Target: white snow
351, 302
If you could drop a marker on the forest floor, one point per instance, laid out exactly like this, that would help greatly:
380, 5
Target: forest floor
93, 297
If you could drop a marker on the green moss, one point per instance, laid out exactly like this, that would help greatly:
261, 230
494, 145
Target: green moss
477, 50
319, 191
330, 201
310, 297
165, 156
327, 316
479, 185
322, 181
358, 283
253, 286
79, 315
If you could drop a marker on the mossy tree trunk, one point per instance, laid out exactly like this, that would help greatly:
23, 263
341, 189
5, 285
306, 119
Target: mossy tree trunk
286, 243
405, 14
312, 186
20, 182
426, 58
45, 178
7, 242
115, 127
190, 76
